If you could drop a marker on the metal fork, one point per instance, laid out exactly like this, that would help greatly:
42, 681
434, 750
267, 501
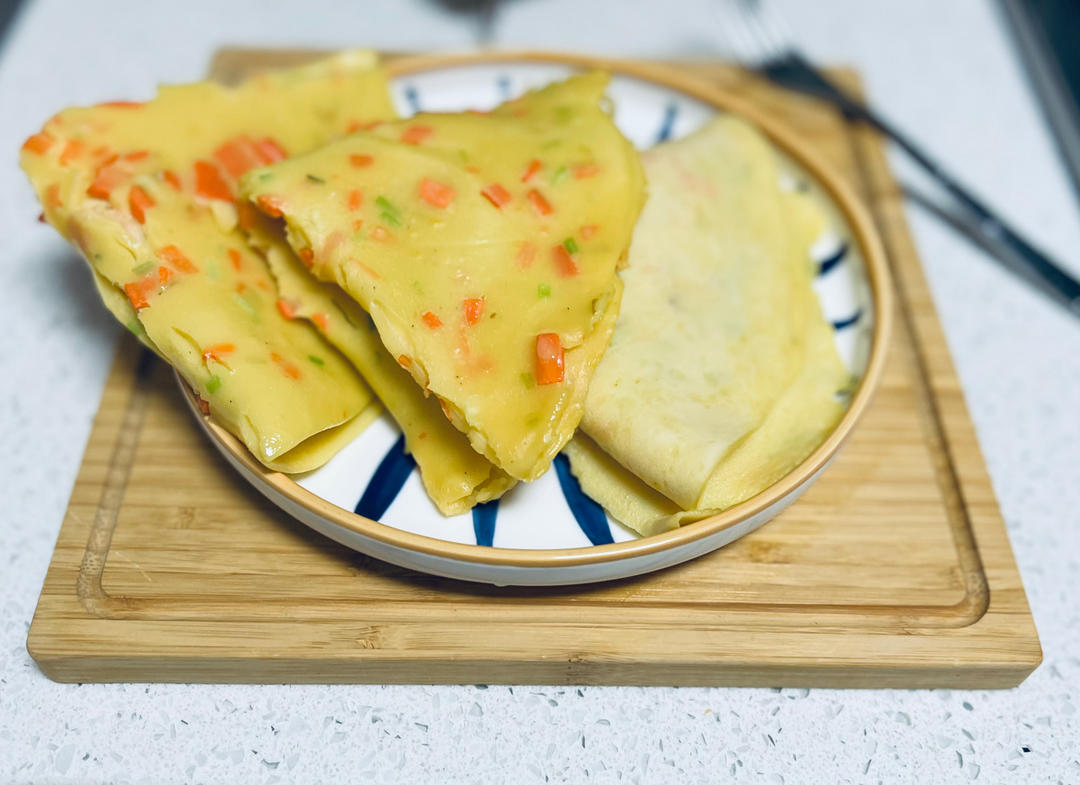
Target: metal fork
761, 40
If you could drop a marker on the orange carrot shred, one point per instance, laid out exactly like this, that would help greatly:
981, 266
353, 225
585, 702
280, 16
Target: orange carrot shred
176, 257
404, 361
287, 309
269, 151
526, 254
164, 275
289, 368
549, 359
415, 134
321, 321
136, 155
581, 171
237, 156
358, 224
564, 262
139, 201
356, 198
474, 309
497, 195
539, 203
435, 193
172, 178
204, 406
246, 214
271, 205
137, 291
307, 256
209, 183
236, 259
52, 196
72, 150
531, 169
589, 231
214, 352
431, 320
108, 176
360, 160
38, 143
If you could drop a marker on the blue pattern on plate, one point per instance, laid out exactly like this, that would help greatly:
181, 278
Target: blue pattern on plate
668, 123
412, 95
843, 324
483, 521
503, 83
833, 259
589, 515
386, 483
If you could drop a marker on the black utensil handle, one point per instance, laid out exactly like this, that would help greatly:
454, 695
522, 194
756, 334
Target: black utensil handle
795, 72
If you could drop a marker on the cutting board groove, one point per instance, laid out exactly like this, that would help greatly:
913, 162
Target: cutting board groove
893, 570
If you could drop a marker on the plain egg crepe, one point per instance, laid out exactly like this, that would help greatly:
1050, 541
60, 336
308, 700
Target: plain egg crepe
722, 374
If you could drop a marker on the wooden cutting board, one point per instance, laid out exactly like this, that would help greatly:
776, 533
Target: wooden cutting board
894, 570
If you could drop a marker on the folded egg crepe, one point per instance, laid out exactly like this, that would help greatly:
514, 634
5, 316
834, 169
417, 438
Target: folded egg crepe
455, 476
722, 374
484, 247
147, 193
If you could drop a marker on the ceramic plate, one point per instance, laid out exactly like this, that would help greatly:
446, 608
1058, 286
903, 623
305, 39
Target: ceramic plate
369, 496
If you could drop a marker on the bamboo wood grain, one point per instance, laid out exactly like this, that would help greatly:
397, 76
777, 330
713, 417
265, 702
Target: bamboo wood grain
893, 570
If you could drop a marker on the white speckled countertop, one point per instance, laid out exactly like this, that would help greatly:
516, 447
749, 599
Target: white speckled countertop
944, 70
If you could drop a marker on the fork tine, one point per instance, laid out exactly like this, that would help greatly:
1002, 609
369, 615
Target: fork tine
769, 42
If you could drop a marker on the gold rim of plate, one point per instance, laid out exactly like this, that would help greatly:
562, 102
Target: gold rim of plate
863, 233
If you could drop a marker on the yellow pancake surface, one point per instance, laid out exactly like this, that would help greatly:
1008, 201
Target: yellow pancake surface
484, 247
722, 374
455, 476
147, 192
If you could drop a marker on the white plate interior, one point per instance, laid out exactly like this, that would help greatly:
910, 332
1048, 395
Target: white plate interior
374, 477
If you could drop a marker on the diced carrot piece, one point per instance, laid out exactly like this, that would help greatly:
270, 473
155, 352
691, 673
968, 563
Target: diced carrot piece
136, 155
164, 275
539, 203
358, 224
176, 257
138, 290
307, 256
139, 201
172, 178
204, 406
269, 151
271, 205
474, 309
415, 134
217, 350
435, 193
359, 160
564, 262
39, 143
589, 231
246, 214
52, 196
209, 183
431, 320
321, 321
581, 171
288, 310
549, 359
497, 195
404, 361
367, 269
72, 150
289, 368
356, 198
530, 170
526, 253
237, 156
236, 259
108, 177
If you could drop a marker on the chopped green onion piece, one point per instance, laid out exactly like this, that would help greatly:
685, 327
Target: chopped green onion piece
570, 245
528, 380
135, 326
316, 360
387, 205
543, 290
213, 384
265, 176
315, 179
142, 269
560, 175
248, 307
391, 219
